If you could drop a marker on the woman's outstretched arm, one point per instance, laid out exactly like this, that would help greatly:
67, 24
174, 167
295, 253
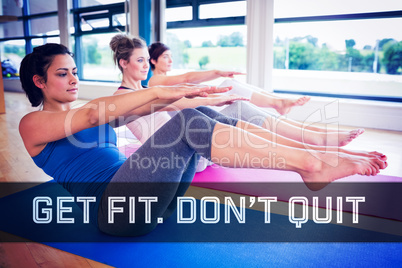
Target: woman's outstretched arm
207, 98
190, 77
39, 128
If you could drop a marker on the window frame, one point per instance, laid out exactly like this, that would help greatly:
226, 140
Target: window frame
80, 12
196, 22
26, 22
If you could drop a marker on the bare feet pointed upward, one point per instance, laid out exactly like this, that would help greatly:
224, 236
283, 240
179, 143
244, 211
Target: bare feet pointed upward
285, 105
322, 169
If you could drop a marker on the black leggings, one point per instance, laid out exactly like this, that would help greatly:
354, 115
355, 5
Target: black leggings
162, 167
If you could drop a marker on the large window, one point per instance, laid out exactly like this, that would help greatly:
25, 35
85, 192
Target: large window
25, 24
340, 48
97, 60
321, 47
36, 22
330, 47
207, 35
95, 23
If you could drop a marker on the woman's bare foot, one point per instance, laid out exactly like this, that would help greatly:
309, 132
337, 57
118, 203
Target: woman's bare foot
337, 139
321, 169
342, 138
364, 154
283, 106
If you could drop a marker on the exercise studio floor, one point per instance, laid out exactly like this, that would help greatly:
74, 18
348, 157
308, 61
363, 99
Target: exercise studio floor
17, 166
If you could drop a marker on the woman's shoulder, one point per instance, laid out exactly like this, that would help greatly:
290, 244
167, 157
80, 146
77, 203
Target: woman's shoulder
153, 80
33, 122
27, 126
29, 118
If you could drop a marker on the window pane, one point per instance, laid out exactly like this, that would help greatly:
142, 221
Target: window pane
11, 8
42, 6
330, 7
222, 48
91, 3
346, 49
222, 10
119, 20
12, 53
178, 14
337, 41
45, 26
41, 41
98, 58
11, 29
89, 25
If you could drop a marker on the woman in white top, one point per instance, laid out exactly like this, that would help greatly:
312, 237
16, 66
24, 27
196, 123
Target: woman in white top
131, 56
161, 63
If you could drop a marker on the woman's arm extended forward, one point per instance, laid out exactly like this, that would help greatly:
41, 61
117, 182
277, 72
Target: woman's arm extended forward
39, 128
190, 77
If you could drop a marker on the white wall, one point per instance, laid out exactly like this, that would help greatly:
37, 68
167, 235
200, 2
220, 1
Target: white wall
346, 83
350, 112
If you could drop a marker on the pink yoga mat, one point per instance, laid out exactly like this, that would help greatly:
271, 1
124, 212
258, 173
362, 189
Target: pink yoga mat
382, 193
220, 174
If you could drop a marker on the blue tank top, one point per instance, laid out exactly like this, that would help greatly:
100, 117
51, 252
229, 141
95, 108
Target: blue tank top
84, 162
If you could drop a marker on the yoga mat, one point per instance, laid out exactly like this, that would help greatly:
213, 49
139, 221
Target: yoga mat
162, 247
128, 255
381, 193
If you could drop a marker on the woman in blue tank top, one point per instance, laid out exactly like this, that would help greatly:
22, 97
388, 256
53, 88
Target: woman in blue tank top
77, 146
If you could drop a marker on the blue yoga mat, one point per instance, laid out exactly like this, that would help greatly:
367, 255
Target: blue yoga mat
133, 254
204, 244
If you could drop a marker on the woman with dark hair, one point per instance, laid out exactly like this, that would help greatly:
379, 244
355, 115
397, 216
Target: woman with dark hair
161, 63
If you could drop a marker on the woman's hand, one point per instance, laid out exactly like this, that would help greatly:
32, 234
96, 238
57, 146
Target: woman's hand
229, 74
187, 90
220, 100
215, 89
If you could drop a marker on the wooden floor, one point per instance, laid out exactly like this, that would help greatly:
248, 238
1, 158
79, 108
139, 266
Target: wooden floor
17, 166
